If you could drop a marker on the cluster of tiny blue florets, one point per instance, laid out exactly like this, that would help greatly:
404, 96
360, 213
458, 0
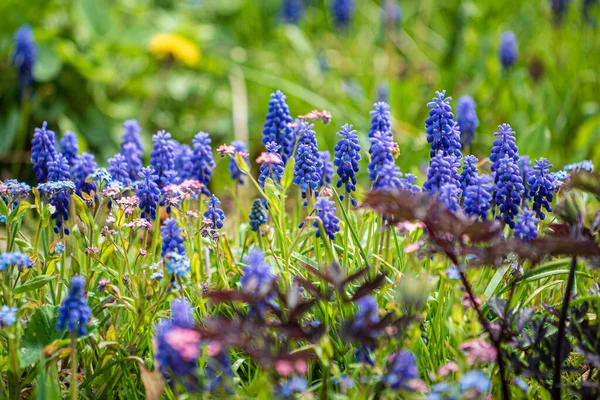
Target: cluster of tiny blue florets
202, 160
308, 167
148, 192
347, 156
214, 213
326, 214
172, 238
443, 133
74, 312
258, 215
277, 126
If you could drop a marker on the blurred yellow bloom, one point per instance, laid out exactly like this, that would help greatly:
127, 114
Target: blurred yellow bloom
170, 44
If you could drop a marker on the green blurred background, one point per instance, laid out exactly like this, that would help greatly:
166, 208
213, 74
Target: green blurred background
95, 70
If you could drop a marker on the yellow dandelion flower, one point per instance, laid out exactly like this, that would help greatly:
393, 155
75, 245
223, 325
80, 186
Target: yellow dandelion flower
173, 45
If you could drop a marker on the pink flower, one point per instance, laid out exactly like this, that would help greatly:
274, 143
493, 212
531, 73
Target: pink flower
269, 158
417, 385
301, 367
214, 348
409, 227
226, 149
324, 116
143, 252
284, 368
447, 368
411, 248
192, 214
479, 351
326, 192
186, 342
93, 250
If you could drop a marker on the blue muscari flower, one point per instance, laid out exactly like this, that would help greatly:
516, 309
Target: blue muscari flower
214, 213
541, 184
442, 169
273, 170
407, 182
469, 175
236, 174
257, 275
508, 52
131, 134
347, 156
381, 120
133, 158
585, 165
8, 316
474, 381
367, 313
308, 167
326, 213
388, 178
24, 56
292, 386
20, 260
59, 248
162, 157
443, 133
169, 358
148, 192
402, 370
74, 312
504, 146
277, 126
119, 169
58, 171
526, 227
508, 187
177, 264
172, 239
478, 198
380, 152
383, 92
183, 161
43, 150
69, 146
292, 10
526, 172
258, 215
342, 10
327, 170
466, 118
202, 160
449, 195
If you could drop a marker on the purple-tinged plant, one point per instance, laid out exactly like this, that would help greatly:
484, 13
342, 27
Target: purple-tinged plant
162, 157
308, 167
24, 56
58, 171
326, 214
43, 151
202, 160
466, 118
327, 170
69, 146
508, 187
293, 386
478, 198
292, 10
133, 158
442, 169
381, 120
277, 126
271, 165
402, 370
148, 192
172, 239
526, 227
16, 258
381, 154
183, 161
236, 174
343, 11
8, 316
508, 52
469, 174
449, 195
258, 215
214, 213
585, 165
257, 275
388, 178
131, 134
74, 312
119, 169
542, 187
504, 146
177, 345
443, 133
347, 156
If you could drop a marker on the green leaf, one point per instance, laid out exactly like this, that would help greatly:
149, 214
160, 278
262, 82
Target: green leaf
83, 211
495, 281
39, 333
48, 64
9, 124
34, 284
18, 213
288, 174
96, 12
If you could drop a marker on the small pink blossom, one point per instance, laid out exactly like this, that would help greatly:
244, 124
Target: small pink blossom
326, 192
411, 248
301, 367
214, 348
324, 116
409, 227
479, 351
93, 250
447, 368
269, 158
186, 342
192, 214
417, 385
467, 301
143, 252
226, 149
284, 368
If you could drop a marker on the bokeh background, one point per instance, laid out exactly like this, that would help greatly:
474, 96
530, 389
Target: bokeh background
99, 63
